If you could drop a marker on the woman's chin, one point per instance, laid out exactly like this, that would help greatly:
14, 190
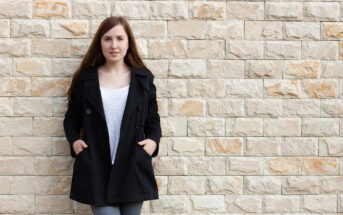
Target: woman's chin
113, 59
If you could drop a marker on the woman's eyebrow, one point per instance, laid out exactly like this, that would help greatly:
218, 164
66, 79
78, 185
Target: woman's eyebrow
116, 36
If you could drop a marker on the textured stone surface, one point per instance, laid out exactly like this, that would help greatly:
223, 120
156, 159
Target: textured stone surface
249, 93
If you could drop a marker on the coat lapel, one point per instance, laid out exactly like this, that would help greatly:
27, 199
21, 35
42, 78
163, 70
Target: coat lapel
93, 94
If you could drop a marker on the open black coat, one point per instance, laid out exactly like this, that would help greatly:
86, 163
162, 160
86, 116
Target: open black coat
131, 178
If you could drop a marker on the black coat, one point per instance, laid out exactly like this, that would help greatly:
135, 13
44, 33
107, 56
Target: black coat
131, 178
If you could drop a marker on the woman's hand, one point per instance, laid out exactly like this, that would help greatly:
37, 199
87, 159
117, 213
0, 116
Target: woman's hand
149, 145
78, 146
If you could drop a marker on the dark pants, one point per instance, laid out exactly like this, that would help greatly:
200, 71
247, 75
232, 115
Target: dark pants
132, 208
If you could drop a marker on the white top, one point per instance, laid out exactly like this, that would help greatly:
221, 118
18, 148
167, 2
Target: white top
114, 101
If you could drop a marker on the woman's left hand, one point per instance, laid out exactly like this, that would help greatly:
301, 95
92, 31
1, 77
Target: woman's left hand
149, 145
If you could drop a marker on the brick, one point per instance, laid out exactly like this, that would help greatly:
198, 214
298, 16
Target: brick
278, 88
52, 9
15, 47
174, 126
302, 69
91, 9
59, 165
6, 106
69, 29
31, 145
30, 28
320, 127
50, 48
321, 11
207, 10
225, 107
323, 50
244, 49
243, 203
244, 166
263, 146
244, 127
330, 146
245, 10
204, 49
264, 107
210, 88
283, 166
208, 203
299, 146
16, 204
284, 11
301, 185
131, 9
19, 9
263, 30
318, 203
53, 204
301, 108
187, 107
186, 185
222, 69
301, 30
206, 126
171, 204
225, 30
264, 68
321, 166
173, 10
224, 146
281, 203
282, 127
186, 146
190, 29
283, 50
170, 48
262, 185
16, 165
9, 126
224, 185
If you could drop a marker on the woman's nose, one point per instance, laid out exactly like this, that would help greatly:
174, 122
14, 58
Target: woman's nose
114, 44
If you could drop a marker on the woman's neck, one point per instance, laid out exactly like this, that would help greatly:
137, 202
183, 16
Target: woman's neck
117, 68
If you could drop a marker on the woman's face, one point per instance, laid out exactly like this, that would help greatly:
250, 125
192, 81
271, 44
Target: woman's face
114, 44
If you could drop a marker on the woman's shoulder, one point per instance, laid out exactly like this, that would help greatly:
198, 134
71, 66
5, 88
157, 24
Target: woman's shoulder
88, 73
148, 73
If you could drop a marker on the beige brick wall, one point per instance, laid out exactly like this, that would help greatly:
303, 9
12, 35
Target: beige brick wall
250, 95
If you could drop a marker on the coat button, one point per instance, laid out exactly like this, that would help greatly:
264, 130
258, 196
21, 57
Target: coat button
88, 111
139, 108
137, 126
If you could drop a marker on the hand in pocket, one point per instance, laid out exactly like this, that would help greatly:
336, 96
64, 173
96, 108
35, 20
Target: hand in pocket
79, 145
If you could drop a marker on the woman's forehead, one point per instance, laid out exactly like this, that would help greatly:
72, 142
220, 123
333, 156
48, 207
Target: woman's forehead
117, 30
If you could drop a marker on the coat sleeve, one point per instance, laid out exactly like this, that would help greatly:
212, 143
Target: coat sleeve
152, 126
73, 118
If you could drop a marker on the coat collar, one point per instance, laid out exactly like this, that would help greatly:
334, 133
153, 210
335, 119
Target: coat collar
93, 94
92, 73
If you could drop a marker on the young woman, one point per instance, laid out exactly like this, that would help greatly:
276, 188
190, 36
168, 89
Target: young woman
112, 124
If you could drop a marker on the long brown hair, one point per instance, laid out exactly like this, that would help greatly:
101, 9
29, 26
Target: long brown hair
94, 56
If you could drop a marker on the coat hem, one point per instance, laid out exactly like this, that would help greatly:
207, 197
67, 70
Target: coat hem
117, 199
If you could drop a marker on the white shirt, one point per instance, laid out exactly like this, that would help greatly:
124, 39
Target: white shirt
114, 101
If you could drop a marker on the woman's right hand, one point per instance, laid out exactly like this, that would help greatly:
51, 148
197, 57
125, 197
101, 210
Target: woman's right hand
78, 146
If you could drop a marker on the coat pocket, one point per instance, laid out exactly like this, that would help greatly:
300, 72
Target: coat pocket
80, 154
81, 163
145, 154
